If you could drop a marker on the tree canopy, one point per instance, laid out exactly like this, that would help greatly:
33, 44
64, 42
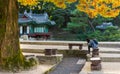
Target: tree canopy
105, 8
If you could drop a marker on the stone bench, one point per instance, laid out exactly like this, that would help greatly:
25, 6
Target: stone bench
50, 51
75, 44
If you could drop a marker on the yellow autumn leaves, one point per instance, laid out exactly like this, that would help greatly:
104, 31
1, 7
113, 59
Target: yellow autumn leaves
28, 2
58, 3
61, 3
105, 8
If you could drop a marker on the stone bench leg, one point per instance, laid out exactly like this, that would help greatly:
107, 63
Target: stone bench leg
48, 52
70, 46
54, 51
80, 47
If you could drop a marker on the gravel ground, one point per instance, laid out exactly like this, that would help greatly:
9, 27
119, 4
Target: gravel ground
69, 65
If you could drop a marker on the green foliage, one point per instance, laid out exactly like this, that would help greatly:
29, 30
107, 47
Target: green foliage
116, 21
91, 34
49, 8
76, 28
100, 20
110, 34
13, 63
61, 17
78, 23
28, 63
95, 34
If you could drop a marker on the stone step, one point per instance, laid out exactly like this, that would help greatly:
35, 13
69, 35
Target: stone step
105, 50
74, 73
99, 72
48, 42
109, 50
107, 68
107, 57
110, 57
38, 42
115, 52
110, 44
40, 48
46, 59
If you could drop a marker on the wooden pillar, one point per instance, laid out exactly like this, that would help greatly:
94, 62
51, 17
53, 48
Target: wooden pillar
28, 29
21, 30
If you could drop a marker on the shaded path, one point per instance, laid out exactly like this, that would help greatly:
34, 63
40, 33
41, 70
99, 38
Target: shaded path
69, 65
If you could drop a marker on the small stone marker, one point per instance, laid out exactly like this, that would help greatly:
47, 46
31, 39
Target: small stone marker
95, 63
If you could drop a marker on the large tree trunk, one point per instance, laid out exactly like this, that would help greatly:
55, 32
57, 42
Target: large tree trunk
9, 33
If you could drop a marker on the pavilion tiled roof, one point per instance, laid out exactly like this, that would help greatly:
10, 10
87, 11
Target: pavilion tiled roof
36, 18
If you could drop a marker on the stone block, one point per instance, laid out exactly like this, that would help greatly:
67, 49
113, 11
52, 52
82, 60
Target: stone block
96, 67
24, 37
95, 60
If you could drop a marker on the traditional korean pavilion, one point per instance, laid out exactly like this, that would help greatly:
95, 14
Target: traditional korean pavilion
34, 24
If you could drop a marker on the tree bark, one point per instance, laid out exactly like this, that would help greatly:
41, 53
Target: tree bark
9, 33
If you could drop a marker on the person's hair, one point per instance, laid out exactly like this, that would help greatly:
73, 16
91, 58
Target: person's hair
88, 40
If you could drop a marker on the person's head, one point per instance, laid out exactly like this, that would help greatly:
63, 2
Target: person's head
88, 40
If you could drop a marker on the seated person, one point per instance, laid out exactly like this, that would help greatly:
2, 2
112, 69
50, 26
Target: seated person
92, 44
